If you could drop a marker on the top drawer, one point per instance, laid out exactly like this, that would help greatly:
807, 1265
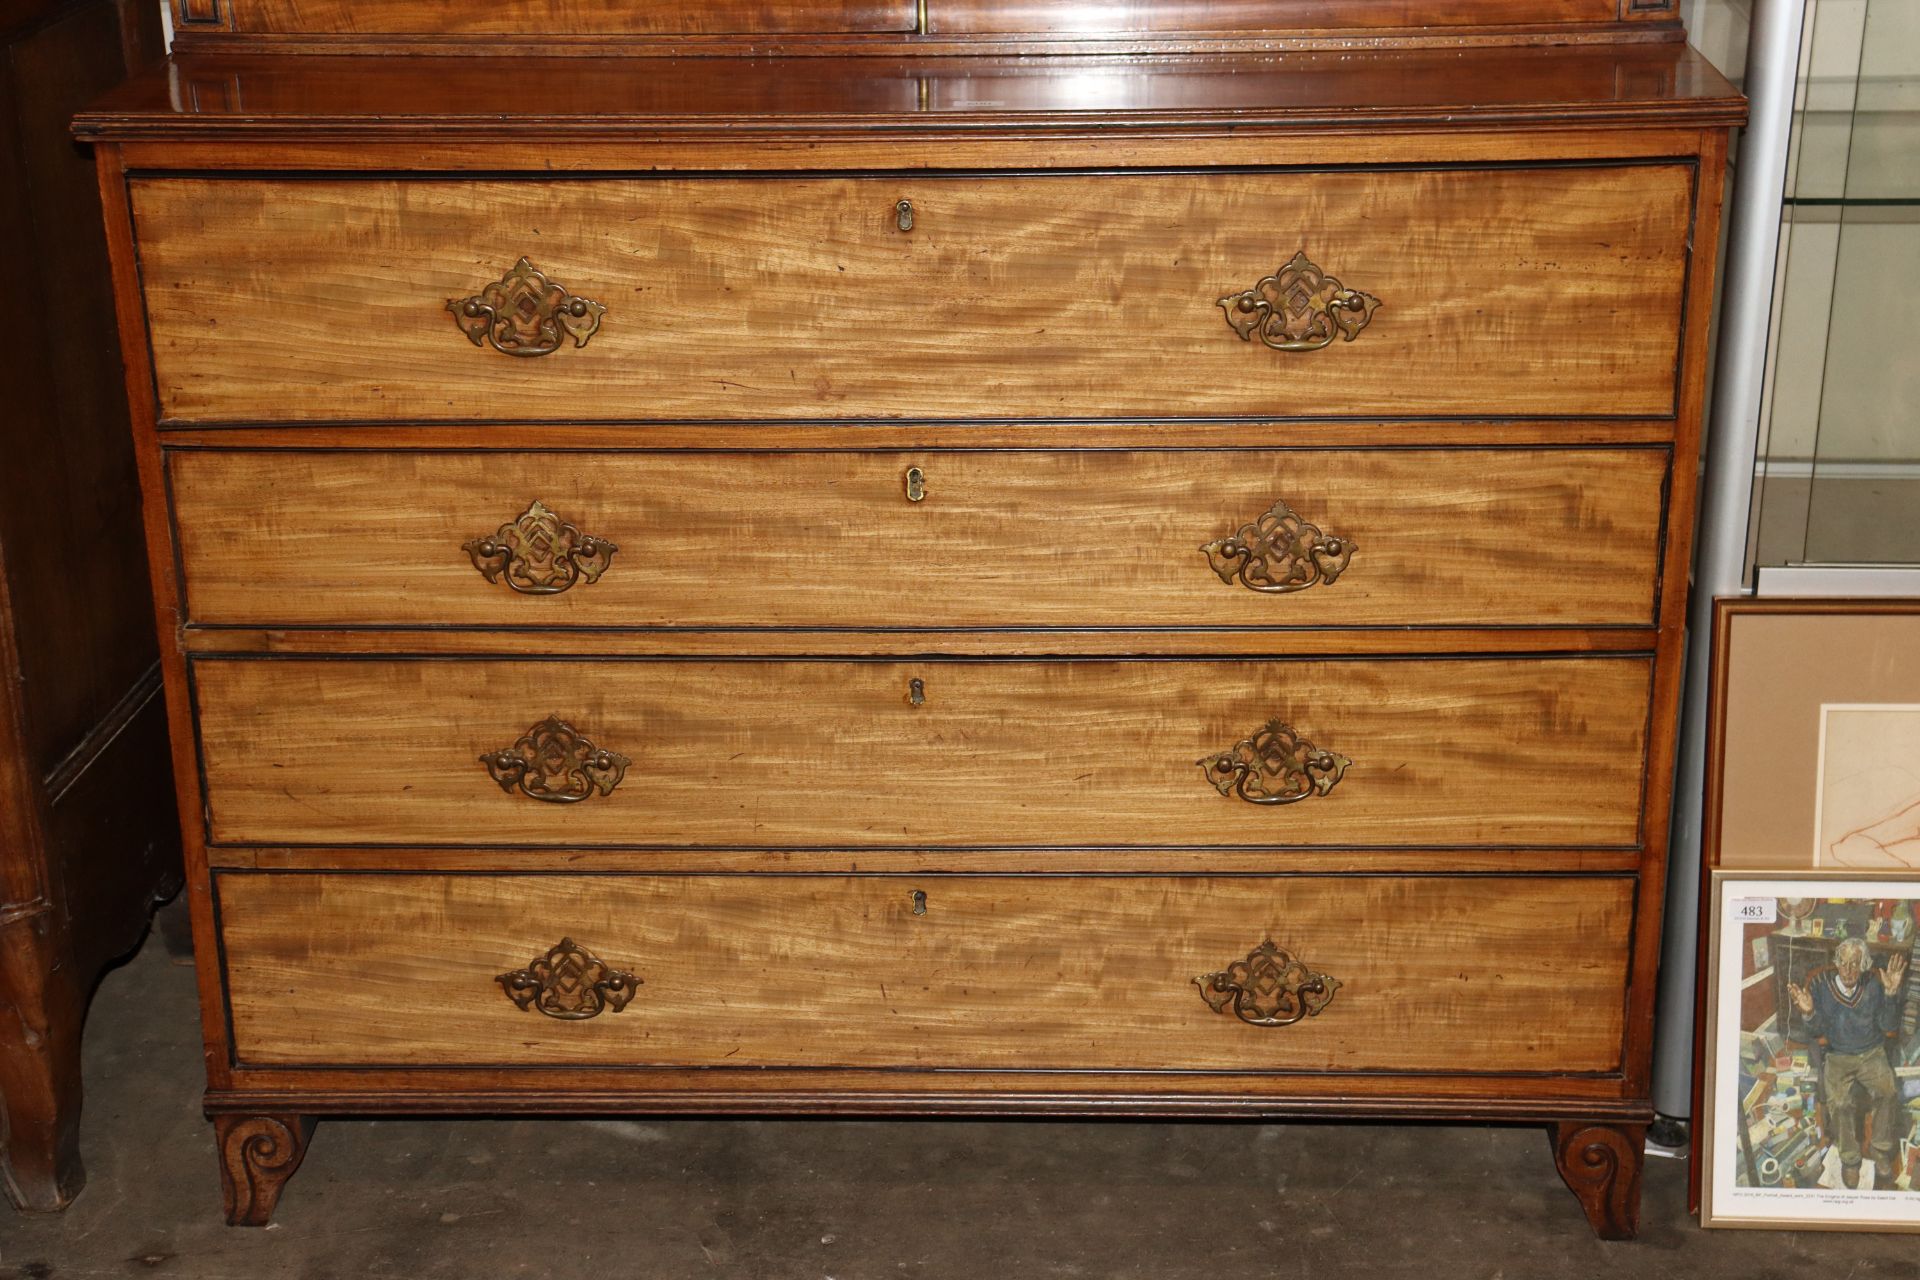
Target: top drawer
458, 19
1447, 292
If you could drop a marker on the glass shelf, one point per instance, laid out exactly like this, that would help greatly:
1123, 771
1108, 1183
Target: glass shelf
1838, 478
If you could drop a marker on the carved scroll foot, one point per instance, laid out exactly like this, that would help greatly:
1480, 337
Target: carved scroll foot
1601, 1163
257, 1156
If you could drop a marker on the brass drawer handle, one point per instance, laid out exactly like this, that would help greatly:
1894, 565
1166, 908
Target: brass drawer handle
1279, 553
540, 554
569, 983
1270, 988
1299, 308
556, 763
525, 314
1275, 766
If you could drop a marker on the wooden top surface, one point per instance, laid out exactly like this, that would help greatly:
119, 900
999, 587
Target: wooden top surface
279, 94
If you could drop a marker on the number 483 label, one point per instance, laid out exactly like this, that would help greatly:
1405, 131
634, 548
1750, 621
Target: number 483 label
1754, 910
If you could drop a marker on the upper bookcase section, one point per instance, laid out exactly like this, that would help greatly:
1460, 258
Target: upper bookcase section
685, 27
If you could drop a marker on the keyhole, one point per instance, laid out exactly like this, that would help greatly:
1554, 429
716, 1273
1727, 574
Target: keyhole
919, 903
903, 215
916, 691
916, 484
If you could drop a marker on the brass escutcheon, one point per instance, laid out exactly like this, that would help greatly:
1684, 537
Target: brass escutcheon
903, 215
916, 485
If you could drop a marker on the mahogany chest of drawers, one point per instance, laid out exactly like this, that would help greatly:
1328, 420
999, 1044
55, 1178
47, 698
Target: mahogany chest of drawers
785, 558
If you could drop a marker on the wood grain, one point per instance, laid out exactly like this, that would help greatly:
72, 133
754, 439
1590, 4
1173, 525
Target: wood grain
87, 835
832, 754
310, 98
533, 20
1561, 860
508, 18
1187, 16
829, 539
999, 972
1105, 642
362, 141
1014, 297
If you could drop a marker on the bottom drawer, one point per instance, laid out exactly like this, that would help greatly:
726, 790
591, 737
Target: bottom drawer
1002, 973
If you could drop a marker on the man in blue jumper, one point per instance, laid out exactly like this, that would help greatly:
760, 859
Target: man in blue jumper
1853, 1018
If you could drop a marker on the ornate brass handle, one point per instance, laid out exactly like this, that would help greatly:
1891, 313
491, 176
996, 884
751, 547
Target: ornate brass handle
540, 554
1275, 766
554, 762
525, 314
1279, 553
1299, 308
569, 983
1270, 988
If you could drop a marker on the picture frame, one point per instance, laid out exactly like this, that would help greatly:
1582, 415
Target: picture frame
1770, 1143
1773, 670
1775, 676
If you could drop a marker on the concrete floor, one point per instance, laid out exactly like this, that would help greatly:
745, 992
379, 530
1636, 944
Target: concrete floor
851, 1200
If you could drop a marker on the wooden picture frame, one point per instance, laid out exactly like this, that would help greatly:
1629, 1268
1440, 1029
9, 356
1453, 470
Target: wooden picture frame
1787, 639
1821, 622
1802, 1143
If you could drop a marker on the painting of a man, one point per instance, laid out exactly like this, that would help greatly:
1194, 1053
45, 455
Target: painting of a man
1852, 1009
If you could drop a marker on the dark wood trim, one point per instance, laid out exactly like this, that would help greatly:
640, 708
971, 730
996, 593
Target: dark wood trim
130, 312
1585, 861
1669, 665
204, 41
387, 1100
947, 149
102, 126
892, 435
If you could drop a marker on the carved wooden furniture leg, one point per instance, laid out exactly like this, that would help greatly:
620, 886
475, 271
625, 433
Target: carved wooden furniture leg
1601, 1162
257, 1156
39, 1068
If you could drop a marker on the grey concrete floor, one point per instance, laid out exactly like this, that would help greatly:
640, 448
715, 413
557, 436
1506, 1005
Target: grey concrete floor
851, 1200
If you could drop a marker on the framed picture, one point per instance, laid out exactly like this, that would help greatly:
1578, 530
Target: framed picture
1811, 1106
1813, 760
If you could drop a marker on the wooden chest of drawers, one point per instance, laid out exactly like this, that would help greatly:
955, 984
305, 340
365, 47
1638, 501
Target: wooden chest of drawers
919, 582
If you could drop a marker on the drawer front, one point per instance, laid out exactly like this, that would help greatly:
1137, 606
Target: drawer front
1000, 973
1255, 538
1508, 292
573, 752
452, 19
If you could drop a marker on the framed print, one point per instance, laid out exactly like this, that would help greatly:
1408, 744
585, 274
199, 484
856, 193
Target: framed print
1813, 758
1811, 1114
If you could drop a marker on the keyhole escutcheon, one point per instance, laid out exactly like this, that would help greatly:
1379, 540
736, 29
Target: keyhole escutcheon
916, 484
916, 691
903, 215
919, 902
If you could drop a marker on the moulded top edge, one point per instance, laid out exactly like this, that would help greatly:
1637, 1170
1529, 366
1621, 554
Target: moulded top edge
712, 97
